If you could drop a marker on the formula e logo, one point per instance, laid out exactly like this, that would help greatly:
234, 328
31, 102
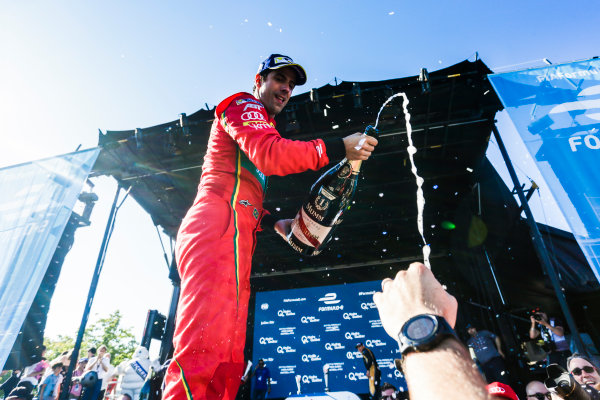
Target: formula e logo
330, 298
264, 306
253, 116
367, 306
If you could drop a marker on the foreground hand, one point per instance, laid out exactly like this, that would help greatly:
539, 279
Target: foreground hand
283, 227
365, 145
413, 292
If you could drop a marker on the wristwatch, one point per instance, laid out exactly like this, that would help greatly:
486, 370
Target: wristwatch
423, 332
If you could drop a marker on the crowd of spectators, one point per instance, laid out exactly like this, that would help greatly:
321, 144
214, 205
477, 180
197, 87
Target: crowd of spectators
418, 313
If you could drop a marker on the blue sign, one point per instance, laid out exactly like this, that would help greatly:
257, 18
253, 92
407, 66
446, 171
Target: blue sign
556, 110
301, 332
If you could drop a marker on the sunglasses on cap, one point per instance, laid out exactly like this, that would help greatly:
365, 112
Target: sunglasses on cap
577, 371
541, 396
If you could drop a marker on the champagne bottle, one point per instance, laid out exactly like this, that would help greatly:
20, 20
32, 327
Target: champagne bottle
330, 197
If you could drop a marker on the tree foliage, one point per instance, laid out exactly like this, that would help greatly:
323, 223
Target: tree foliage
109, 331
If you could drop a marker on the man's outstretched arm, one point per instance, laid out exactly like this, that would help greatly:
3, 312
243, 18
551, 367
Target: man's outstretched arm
413, 292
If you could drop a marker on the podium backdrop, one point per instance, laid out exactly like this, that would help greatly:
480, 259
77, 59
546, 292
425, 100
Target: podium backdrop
298, 331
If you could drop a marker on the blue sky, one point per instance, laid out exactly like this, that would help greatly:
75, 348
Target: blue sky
69, 68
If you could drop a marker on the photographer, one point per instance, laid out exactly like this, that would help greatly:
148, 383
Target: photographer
553, 335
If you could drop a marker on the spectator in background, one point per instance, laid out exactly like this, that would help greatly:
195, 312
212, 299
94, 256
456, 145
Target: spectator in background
10, 383
107, 376
76, 387
373, 371
488, 350
91, 353
436, 365
388, 391
35, 372
21, 392
262, 381
553, 334
100, 365
49, 387
536, 390
583, 371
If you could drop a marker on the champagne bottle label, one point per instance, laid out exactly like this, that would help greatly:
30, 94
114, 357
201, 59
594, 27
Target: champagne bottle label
308, 231
322, 212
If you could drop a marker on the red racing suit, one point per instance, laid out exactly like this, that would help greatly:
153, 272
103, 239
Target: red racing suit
216, 241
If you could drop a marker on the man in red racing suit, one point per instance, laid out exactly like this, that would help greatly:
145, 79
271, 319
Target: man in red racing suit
217, 237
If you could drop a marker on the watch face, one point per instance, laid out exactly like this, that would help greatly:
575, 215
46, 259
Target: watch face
420, 328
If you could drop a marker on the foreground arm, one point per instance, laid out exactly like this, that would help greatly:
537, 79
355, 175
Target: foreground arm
413, 292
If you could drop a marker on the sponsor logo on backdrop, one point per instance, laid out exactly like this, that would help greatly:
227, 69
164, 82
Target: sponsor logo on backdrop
287, 369
311, 379
267, 340
367, 306
294, 300
351, 355
285, 313
355, 376
334, 346
334, 367
572, 75
332, 327
309, 319
354, 335
374, 343
310, 339
398, 374
264, 306
287, 330
375, 323
253, 106
267, 323
330, 298
331, 308
352, 315
371, 293
285, 349
268, 360
310, 357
